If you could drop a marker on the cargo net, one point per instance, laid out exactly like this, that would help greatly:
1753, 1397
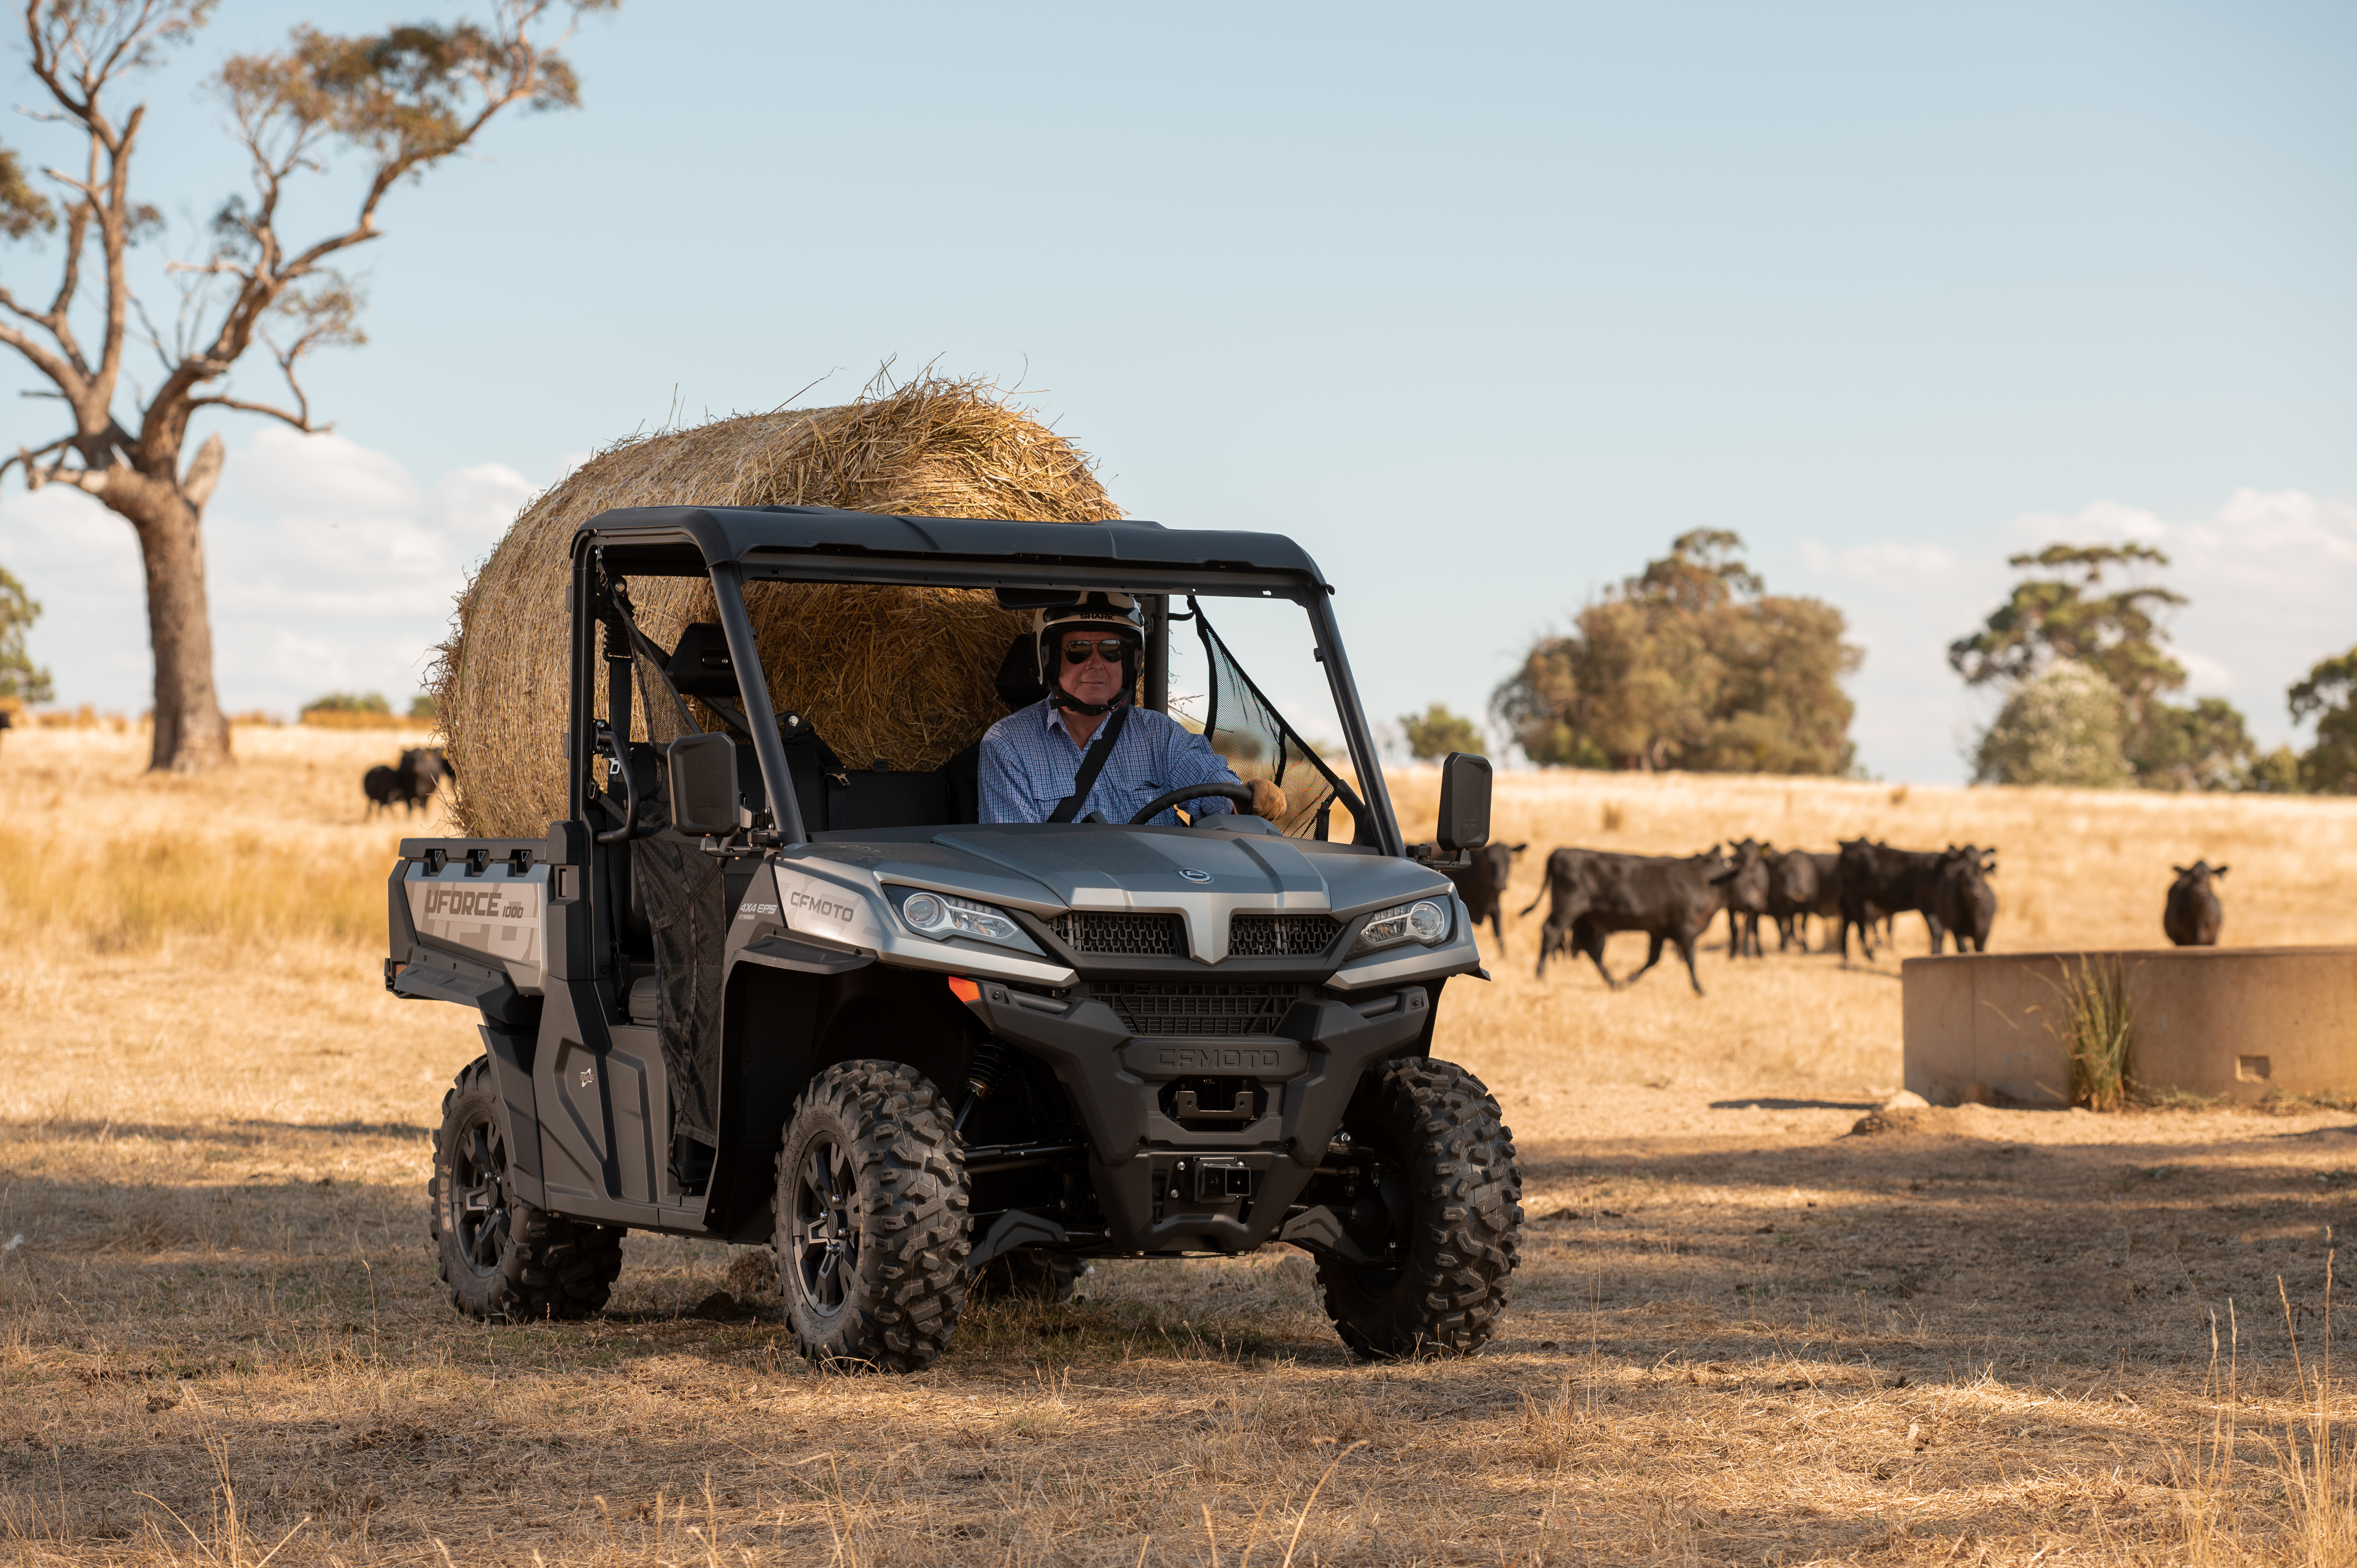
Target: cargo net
678, 892
1245, 727
664, 716
681, 892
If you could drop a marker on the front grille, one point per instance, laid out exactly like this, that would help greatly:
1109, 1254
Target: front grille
1127, 935
1198, 1009
1280, 935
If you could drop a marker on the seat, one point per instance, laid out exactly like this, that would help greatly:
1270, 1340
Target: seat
833, 798
700, 666
836, 799
1018, 680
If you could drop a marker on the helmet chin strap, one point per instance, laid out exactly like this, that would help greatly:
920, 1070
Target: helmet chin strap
1064, 699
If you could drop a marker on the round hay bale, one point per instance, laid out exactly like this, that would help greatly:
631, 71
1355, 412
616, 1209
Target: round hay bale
900, 674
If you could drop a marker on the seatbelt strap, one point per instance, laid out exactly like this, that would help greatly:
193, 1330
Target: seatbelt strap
1091, 766
620, 596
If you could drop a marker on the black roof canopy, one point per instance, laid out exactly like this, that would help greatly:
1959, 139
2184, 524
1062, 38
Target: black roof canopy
823, 543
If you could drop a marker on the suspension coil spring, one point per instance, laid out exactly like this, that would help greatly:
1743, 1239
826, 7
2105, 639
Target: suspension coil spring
983, 1075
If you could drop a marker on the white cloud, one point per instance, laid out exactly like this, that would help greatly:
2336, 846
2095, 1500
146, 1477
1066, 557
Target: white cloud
2203, 673
80, 563
285, 471
472, 507
1883, 564
329, 568
1905, 601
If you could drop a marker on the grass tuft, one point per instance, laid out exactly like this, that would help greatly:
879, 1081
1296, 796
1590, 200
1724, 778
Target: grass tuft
2095, 1027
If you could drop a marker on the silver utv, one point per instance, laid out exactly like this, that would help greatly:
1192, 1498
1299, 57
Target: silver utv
747, 992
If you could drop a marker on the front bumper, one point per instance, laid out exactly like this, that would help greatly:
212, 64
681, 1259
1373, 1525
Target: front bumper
1167, 1187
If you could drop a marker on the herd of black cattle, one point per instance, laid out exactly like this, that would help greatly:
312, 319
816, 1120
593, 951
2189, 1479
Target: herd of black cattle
1673, 898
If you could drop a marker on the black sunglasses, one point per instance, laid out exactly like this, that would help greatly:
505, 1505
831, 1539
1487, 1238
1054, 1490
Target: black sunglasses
1111, 648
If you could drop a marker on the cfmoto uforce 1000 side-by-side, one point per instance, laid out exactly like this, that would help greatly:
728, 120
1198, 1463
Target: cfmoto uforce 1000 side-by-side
746, 991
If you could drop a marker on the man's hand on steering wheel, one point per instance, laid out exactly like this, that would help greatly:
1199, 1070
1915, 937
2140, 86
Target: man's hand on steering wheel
1262, 798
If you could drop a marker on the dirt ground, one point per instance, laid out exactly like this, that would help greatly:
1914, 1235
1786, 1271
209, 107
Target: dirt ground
1743, 1331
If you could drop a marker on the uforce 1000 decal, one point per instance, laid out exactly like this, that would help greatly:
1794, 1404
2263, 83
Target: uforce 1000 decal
495, 914
502, 903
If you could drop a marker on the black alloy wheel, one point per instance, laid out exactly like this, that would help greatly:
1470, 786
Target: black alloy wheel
824, 1233
871, 1206
502, 1257
474, 1207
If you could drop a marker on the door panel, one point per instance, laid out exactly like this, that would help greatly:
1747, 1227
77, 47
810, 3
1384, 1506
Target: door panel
632, 1082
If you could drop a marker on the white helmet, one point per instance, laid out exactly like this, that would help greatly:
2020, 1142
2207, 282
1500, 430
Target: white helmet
1099, 608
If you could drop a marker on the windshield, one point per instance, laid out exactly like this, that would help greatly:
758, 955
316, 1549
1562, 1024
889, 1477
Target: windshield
1281, 726
884, 691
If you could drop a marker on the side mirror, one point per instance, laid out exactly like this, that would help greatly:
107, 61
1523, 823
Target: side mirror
1464, 802
704, 784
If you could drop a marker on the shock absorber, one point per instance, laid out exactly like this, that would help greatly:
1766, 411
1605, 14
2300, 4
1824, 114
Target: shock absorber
982, 1075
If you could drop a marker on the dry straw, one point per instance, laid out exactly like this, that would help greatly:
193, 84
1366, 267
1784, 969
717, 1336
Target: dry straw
904, 675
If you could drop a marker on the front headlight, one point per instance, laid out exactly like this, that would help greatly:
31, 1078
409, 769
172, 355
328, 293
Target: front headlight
941, 915
1427, 920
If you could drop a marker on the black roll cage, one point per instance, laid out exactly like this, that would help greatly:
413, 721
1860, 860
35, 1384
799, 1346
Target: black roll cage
733, 545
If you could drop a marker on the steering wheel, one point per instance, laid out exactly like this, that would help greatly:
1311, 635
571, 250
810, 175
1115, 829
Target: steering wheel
1240, 793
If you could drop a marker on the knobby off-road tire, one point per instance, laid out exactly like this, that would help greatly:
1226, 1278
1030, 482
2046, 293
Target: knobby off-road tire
1454, 1196
1026, 1273
504, 1259
872, 1218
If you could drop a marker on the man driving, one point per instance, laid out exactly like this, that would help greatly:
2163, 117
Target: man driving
1036, 759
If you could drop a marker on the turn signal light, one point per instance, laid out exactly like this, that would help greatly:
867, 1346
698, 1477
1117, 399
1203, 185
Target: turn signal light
964, 990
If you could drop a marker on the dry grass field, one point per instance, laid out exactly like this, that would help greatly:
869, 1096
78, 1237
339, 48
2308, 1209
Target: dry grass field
1740, 1335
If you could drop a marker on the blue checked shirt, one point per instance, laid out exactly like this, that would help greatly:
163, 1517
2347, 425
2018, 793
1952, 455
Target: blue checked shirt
1029, 762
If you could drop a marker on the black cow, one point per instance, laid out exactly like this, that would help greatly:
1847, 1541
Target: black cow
1878, 882
2194, 914
1746, 889
1962, 900
1792, 895
383, 788
1828, 905
1482, 886
421, 771
1596, 893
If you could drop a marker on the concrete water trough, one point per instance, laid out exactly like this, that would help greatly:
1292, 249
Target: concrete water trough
2242, 1023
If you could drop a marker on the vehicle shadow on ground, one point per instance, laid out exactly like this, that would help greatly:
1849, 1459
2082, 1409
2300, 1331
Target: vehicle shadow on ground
1769, 1103
241, 1129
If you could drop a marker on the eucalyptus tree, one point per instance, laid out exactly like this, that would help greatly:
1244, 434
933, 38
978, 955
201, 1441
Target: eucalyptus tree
1690, 663
402, 100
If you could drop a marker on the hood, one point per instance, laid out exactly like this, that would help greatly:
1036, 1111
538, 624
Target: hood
1203, 876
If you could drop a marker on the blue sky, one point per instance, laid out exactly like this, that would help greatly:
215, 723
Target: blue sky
1483, 306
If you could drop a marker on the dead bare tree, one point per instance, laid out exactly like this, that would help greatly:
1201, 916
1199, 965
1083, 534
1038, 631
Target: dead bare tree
405, 99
